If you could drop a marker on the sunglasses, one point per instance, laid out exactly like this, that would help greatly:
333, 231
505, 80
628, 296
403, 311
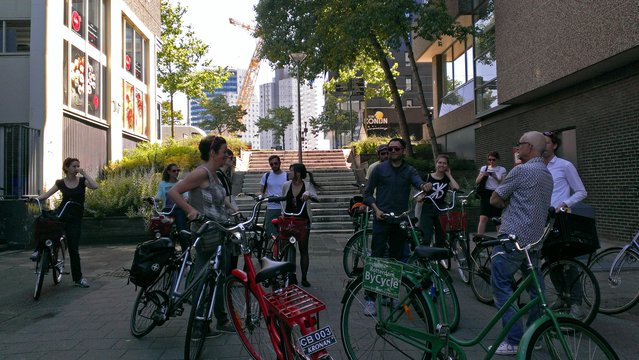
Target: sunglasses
490, 159
383, 153
523, 143
274, 163
548, 133
176, 170
395, 149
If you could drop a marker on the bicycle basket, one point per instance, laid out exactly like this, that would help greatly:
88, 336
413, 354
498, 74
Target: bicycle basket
48, 226
453, 221
160, 224
292, 226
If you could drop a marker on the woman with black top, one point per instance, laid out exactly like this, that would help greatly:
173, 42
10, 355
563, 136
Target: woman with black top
297, 192
437, 183
73, 188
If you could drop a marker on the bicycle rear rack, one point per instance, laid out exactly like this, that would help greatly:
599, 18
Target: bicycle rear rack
292, 303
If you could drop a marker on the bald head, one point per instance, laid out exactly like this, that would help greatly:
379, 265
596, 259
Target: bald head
533, 145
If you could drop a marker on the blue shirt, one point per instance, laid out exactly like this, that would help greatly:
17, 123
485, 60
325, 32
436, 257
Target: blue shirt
526, 191
392, 185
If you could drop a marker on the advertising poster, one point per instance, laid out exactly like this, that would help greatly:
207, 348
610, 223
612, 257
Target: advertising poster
139, 112
129, 116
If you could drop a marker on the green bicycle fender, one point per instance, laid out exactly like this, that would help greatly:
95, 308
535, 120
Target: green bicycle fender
525, 340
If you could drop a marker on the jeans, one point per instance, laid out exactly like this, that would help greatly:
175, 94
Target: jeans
180, 217
269, 215
567, 281
429, 222
504, 265
73, 231
202, 260
387, 237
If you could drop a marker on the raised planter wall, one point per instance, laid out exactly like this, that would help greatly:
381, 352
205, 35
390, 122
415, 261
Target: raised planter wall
114, 229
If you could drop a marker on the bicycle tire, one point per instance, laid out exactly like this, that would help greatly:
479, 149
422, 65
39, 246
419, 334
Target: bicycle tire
621, 293
480, 274
568, 276
365, 337
460, 255
353, 258
248, 319
583, 341
199, 324
147, 301
57, 262
41, 270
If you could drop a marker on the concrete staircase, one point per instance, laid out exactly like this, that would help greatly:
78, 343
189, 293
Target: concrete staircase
330, 171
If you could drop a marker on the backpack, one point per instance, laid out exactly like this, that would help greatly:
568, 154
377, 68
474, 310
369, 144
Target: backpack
149, 259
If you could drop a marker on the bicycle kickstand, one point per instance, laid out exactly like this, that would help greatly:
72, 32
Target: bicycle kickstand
443, 332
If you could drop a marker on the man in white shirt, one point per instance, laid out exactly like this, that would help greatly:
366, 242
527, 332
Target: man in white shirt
568, 190
271, 185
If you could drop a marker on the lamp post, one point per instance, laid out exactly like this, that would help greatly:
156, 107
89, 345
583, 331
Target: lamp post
298, 58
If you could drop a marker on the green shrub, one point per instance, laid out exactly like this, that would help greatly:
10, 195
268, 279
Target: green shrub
369, 145
121, 194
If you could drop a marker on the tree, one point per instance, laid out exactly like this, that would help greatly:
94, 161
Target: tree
222, 117
278, 120
167, 118
332, 118
181, 63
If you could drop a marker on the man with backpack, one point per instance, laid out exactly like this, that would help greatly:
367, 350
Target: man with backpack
271, 184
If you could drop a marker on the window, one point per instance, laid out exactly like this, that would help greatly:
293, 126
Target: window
84, 63
457, 76
409, 83
409, 102
406, 58
485, 60
15, 36
133, 85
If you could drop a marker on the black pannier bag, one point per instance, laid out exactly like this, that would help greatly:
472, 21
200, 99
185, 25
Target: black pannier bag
573, 235
149, 259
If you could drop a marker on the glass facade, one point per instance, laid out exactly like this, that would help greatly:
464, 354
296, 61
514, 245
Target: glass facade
485, 59
457, 76
84, 62
134, 86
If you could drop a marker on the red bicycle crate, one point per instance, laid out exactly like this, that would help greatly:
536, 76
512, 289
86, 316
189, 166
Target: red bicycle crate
292, 302
453, 221
292, 226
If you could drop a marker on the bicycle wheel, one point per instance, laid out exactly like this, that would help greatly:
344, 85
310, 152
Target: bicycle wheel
199, 324
148, 302
354, 252
368, 337
621, 292
58, 262
582, 340
248, 319
42, 266
571, 289
480, 274
460, 255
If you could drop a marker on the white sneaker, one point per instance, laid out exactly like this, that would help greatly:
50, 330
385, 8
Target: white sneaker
506, 349
577, 312
370, 308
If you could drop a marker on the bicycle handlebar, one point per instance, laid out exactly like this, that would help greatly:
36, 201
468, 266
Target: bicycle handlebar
550, 222
154, 203
58, 215
450, 206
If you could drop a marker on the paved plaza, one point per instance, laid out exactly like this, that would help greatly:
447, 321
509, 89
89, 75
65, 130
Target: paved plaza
73, 323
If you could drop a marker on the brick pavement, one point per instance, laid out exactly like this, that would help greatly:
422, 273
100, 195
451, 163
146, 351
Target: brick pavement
72, 323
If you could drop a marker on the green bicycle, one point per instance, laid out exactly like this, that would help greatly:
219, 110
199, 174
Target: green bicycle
412, 326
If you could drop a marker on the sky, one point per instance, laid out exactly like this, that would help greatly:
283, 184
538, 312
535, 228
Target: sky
229, 45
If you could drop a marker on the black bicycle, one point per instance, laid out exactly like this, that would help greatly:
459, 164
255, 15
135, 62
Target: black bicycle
50, 237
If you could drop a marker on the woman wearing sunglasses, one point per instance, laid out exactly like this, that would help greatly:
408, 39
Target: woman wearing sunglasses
170, 178
491, 175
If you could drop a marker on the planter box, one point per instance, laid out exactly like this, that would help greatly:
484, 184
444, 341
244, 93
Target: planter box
113, 229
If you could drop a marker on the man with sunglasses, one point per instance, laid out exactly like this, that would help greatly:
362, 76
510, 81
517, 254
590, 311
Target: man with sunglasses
271, 185
382, 155
525, 197
388, 190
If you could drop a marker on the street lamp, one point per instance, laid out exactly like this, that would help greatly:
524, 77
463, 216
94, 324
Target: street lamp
298, 58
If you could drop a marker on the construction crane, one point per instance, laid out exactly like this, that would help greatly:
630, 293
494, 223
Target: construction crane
246, 93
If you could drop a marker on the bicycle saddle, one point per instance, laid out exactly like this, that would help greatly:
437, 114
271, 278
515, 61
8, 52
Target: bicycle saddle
272, 269
432, 253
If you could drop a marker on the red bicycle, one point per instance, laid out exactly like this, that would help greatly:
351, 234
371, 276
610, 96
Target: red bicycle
282, 324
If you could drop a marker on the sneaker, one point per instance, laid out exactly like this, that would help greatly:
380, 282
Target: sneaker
577, 311
506, 349
83, 283
558, 305
305, 283
369, 308
35, 256
225, 326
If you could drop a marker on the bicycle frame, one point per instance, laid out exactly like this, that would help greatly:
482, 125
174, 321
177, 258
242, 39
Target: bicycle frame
615, 268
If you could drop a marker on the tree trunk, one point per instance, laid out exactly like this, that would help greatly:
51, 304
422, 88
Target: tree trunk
403, 126
428, 117
172, 118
